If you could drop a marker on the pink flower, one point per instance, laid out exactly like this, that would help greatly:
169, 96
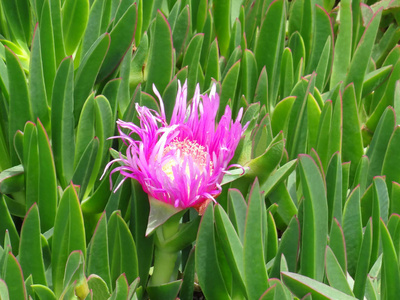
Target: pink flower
182, 162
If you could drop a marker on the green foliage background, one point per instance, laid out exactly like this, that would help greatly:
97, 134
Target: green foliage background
317, 214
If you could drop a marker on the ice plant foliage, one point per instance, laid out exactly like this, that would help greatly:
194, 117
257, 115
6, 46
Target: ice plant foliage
181, 162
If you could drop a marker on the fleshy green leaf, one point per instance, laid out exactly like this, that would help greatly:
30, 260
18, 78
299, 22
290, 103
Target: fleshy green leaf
69, 235
352, 229
122, 250
334, 273
255, 273
121, 35
14, 278
315, 219
159, 64
19, 109
30, 253
97, 258
62, 120
206, 261
270, 45
390, 283
301, 285
75, 15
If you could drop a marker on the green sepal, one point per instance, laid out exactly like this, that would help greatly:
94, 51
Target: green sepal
160, 212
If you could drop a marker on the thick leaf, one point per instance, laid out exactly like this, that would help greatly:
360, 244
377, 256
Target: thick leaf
261, 93
138, 223
7, 227
391, 277
278, 177
62, 120
322, 32
280, 115
87, 72
334, 189
208, 270
104, 128
297, 127
99, 17
167, 291
360, 60
360, 279
121, 290
301, 285
255, 272
84, 169
31, 164
99, 287
271, 239
75, 15
270, 45
18, 17
352, 229
54, 14
375, 78
231, 245
138, 62
249, 75
337, 244
287, 73
12, 180
286, 205
212, 67
69, 235
122, 250
379, 144
186, 292
352, 145
47, 190
14, 278
315, 219
296, 44
322, 143
383, 95
97, 257
313, 117
228, 88
181, 29
261, 167
30, 249
19, 109
221, 11
159, 64
74, 275
334, 273
47, 45
191, 59
43, 292
360, 178
391, 159
37, 88
237, 208
121, 37
288, 247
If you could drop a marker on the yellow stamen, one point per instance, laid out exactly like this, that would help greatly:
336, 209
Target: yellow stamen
195, 151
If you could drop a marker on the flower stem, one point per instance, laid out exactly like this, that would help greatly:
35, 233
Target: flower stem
164, 258
164, 264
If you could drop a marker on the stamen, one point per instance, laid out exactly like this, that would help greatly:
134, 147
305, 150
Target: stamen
195, 152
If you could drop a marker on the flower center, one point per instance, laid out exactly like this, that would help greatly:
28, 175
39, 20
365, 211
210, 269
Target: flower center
195, 152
